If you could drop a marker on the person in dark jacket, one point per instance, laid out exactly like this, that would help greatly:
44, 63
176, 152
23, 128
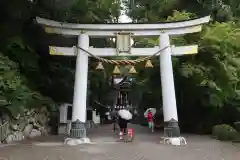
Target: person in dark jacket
123, 125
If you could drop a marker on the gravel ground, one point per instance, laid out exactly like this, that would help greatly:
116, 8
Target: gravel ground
105, 147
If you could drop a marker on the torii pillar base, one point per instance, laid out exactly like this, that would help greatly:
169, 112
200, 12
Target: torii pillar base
78, 130
175, 141
171, 128
77, 134
172, 134
76, 141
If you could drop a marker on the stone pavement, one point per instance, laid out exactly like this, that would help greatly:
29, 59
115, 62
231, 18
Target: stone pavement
145, 147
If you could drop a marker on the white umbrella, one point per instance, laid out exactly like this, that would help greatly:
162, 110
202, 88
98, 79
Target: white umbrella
125, 114
153, 110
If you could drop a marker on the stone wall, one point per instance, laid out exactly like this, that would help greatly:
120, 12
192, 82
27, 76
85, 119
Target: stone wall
30, 124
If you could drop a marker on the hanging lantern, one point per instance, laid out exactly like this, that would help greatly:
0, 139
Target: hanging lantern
132, 70
99, 66
148, 64
116, 70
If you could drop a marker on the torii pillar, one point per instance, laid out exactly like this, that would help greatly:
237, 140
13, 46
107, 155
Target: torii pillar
79, 110
168, 89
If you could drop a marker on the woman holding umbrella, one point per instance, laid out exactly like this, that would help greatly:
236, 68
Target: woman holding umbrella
150, 120
123, 119
149, 114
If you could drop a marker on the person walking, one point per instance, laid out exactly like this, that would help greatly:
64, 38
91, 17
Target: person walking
123, 127
150, 120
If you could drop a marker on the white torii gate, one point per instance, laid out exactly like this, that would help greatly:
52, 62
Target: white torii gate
123, 33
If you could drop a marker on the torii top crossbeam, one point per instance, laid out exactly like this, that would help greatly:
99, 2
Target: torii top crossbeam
99, 30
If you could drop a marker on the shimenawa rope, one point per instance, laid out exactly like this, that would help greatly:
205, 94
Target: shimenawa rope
122, 62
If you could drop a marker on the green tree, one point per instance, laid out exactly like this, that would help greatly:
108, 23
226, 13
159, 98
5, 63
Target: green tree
52, 76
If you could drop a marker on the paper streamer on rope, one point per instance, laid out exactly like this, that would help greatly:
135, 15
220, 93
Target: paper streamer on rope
99, 66
148, 64
132, 70
116, 70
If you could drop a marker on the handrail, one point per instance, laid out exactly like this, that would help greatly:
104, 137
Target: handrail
4, 131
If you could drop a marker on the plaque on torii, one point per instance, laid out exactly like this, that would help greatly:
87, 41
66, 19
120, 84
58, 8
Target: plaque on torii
123, 44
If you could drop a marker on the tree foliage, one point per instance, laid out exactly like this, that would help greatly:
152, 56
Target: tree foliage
34, 73
15, 95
